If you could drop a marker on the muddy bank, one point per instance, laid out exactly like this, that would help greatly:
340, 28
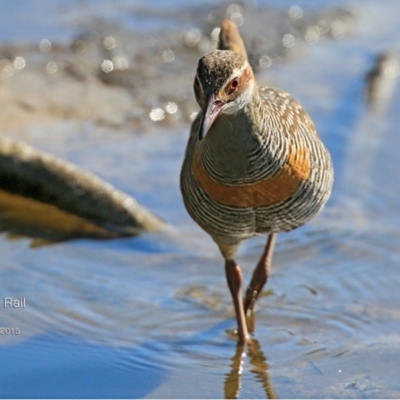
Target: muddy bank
113, 74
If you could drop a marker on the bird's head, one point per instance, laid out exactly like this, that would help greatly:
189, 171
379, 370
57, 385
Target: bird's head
224, 84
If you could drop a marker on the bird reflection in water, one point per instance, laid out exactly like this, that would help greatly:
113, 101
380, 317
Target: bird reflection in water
260, 368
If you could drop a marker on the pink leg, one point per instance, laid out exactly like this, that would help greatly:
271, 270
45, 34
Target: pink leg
260, 275
235, 280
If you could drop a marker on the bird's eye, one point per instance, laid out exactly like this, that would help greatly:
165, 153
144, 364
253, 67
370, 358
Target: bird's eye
234, 84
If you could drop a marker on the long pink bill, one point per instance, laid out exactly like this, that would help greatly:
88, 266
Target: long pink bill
214, 108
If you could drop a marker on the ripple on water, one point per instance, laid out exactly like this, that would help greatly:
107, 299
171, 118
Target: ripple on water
170, 310
157, 308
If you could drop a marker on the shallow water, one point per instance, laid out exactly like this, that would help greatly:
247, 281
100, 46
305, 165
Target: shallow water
150, 316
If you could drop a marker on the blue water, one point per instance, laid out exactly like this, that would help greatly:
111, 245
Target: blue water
149, 316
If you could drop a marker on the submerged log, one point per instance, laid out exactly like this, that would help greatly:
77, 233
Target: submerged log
21, 217
31, 173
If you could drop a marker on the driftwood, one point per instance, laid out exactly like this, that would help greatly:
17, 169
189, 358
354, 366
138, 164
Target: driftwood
31, 173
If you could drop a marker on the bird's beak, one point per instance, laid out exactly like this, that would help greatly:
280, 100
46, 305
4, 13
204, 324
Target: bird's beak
214, 108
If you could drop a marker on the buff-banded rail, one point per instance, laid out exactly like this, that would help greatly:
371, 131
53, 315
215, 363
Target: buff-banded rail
254, 165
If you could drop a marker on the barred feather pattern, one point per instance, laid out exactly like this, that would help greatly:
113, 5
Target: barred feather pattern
277, 128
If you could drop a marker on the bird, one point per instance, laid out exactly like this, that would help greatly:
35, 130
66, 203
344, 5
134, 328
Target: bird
254, 165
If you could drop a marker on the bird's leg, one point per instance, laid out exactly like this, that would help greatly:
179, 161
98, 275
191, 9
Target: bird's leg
235, 280
260, 275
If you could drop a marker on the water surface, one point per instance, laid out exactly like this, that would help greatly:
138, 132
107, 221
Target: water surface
150, 316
